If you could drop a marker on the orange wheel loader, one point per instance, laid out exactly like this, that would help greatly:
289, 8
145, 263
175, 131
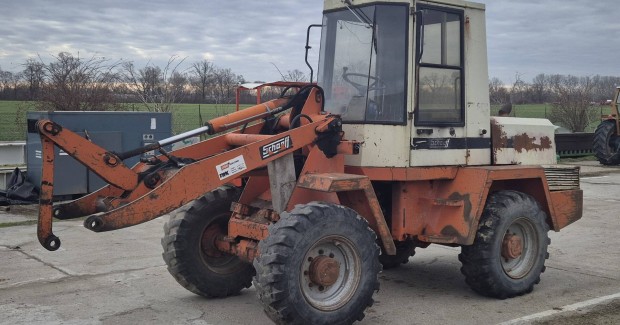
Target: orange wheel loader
308, 196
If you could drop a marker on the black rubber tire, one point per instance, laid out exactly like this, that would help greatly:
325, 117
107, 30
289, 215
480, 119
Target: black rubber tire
279, 277
483, 263
404, 250
213, 277
604, 152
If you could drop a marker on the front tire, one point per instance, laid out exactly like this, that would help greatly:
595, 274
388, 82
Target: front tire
496, 265
319, 265
190, 253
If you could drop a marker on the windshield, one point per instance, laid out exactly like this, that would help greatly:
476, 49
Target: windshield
362, 66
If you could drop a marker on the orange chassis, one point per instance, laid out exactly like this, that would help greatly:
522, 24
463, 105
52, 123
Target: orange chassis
431, 204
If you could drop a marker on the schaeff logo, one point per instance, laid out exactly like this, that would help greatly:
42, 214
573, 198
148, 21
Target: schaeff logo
275, 147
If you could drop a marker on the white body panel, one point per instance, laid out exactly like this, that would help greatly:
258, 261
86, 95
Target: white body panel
526, 141
394, 145
383, 146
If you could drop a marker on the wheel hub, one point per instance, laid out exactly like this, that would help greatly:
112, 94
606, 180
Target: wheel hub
512, 246
208, 241
324, 271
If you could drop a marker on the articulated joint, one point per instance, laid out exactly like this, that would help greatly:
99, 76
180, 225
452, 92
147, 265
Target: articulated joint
245, 249
110, 159
48, 127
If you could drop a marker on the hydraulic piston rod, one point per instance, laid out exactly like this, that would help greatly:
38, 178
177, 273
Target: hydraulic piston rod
215, 125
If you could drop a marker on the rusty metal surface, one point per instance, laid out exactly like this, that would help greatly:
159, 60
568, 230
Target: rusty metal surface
244, 116
44, 226
512, 246
520, 142
324, 270
194, 179
332, 182
255, 187
101, 162
246, 250
254, 227
316, 162
404, 173
355, 192
447, 211
85, 205
237, 139
523, 141
568, 207
208, 240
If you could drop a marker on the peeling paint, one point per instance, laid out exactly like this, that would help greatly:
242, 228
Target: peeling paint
499, 139
519, 141
523, 142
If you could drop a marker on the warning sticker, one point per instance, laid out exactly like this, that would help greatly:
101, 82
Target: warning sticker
231, 167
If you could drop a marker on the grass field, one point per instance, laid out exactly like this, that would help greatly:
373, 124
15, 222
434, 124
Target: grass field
186, 116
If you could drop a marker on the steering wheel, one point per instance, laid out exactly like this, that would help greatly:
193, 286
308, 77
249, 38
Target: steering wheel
375, 84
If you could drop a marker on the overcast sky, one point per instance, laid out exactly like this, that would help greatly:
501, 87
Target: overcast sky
250, 37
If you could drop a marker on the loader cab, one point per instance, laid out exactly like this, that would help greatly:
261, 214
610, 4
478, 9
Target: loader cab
409, 78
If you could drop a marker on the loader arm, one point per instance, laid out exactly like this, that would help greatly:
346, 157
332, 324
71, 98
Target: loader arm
164, 183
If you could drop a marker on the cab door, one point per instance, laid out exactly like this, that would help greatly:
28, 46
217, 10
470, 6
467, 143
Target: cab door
439, 130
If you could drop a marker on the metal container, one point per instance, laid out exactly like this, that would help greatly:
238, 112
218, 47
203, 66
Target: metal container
115, 131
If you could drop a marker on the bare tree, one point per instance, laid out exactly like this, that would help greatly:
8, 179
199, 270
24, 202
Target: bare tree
178, 82
34, 74
202, 77
74, 83
295, 76
150, 78
518, 90
604, 87
6, 78
571, 107
225, 82
15, 84
540, 87
156, 88
498, 93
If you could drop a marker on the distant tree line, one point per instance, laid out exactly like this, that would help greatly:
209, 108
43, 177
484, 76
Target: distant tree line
546, 88
71, 82
571, 97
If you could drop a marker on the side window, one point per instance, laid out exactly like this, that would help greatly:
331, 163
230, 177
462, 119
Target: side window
440, 93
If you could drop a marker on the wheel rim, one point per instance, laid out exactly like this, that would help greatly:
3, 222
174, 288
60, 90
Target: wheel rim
330, 250
212, 258
519, 264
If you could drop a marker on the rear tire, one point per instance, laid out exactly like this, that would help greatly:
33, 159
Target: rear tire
190, 254
404, 250
603, 144
311, 233
486, 267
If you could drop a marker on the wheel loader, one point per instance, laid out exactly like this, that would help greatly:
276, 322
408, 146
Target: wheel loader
309, 196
